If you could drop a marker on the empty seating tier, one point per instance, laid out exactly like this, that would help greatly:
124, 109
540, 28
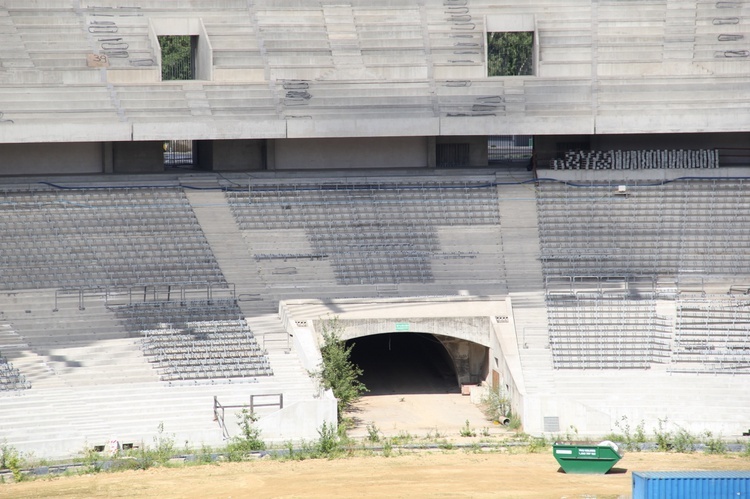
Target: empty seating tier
597, 331
683, 227
371, 233
102, 238
196, 340
712, 334
10, 377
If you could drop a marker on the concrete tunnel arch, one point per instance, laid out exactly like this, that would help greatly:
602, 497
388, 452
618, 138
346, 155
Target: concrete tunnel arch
409, 356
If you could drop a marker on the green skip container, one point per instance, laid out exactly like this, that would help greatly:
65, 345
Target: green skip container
586, 457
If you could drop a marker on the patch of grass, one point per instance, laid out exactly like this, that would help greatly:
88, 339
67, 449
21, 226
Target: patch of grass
164, 448
536, 444
433, 436
515, 422
92, 460
205, 455
328, 443
614, 437
467, 431
373, 433
403, 438
714, 444
387, 447
663, 436
248, 440
495, 404
445, 445
11, 459
684, 441
632, 437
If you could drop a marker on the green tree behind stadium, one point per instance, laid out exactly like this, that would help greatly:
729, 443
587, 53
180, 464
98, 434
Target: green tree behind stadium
510, 54
176, 58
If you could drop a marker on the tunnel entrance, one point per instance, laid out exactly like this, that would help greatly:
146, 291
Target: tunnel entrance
404, 363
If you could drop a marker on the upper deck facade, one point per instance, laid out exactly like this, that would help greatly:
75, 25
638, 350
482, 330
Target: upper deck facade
90, 71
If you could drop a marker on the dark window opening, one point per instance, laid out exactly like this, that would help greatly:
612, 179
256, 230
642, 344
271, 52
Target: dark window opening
452, 155
510, 53
178, 57
510, 148
179, 153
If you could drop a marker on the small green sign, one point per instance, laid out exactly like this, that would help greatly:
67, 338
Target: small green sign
402, 326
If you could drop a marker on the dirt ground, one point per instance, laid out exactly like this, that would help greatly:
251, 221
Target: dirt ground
433, 473
436, 474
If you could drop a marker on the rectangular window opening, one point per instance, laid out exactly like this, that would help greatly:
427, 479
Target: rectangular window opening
510, 53
179, 153
178, 57
510, 148
452, 155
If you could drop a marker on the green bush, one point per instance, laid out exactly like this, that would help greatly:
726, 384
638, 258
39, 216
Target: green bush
467, 431
515, 422
663, 436
164, 448
11, 459
714, 445
537, 444
337, 372
684, 441
373, 433
328, 443
632, 438
494, 404
248, 440
91, 460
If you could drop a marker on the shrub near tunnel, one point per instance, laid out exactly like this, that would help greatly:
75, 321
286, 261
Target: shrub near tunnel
337, 371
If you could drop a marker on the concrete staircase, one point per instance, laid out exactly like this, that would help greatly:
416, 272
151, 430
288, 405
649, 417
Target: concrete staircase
256, 301
518, 222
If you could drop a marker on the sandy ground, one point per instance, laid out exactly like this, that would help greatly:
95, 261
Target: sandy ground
438, 474
419, 415
433, 473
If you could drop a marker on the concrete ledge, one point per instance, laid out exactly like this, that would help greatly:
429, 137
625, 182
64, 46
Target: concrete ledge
64, 132
392, 127
199, 130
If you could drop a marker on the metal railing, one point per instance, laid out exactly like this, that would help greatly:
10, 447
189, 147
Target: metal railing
220, 409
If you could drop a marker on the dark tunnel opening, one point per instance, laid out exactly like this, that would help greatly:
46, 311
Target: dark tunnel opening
404, 363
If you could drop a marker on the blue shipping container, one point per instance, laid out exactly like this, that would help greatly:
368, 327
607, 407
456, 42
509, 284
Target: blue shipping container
691, 484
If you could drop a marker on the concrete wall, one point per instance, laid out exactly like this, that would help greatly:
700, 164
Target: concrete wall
473, 329
204, 56
478, 155
231, 155
469, 359
388, 152
138, 157
299, 421
51, 158
505, 359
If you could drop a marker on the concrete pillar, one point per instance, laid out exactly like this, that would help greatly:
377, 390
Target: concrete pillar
271, 154
431, 152
108, 158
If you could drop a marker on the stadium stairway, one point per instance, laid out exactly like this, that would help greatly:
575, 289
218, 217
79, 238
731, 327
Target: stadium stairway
258, 305
518, 222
